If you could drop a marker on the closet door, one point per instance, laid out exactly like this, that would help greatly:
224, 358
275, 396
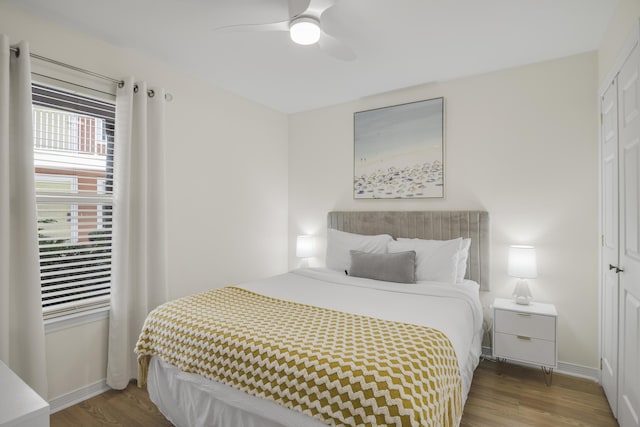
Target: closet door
629, 275
609, 299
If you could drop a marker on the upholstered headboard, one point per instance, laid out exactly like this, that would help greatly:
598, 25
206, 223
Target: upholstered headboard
438, 225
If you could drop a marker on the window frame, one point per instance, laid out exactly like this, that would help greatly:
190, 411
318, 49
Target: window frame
72, 102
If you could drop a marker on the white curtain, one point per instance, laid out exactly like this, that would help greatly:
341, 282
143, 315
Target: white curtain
139, 260
21, 327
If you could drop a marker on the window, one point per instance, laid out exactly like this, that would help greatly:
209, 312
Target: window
73, 142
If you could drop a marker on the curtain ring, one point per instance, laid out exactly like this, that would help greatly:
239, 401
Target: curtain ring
151, 93
17, 51
135, 88
121, 84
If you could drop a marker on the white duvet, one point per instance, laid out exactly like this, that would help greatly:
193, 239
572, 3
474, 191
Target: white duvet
191, 400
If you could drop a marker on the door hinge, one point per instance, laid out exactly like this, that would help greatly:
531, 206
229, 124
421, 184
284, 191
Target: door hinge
601, 119
601, 363
603, 240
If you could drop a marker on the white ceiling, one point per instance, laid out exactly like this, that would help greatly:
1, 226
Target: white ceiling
399, 43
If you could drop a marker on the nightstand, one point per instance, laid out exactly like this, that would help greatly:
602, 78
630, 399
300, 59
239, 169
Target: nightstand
526, 333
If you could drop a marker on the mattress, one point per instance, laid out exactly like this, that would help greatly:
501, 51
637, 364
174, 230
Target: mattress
191, 400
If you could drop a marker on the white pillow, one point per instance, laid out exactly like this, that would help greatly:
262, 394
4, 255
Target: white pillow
462, 259
436, 260
339, 245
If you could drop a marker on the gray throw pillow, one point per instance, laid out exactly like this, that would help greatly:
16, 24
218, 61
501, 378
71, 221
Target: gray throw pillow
396, 267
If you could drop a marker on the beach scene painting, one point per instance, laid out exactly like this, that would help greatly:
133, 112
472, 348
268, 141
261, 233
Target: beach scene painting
399, 151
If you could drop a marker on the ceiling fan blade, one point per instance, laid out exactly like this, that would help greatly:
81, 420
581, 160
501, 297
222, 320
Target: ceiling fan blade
272, 26
334, 47
318, 7
298, 7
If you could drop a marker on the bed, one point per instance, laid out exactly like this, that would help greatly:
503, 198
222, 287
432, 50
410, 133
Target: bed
401, 320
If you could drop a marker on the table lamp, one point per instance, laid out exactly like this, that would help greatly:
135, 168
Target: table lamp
304, 246
522, 264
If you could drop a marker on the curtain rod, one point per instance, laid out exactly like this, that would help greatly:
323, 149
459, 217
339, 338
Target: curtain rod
120, 83
71, 67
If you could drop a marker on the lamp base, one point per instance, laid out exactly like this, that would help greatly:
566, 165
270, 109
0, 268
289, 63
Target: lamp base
522, 300
522, 294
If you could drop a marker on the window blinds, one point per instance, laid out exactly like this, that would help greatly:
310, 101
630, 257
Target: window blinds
73, 158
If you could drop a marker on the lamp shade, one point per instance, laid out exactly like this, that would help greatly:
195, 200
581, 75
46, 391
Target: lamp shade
304, 246
522, 262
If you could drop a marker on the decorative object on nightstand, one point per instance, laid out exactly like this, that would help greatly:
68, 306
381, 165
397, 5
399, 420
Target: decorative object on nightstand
526, 333
522, 264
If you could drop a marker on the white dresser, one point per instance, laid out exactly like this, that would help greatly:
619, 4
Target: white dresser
20, 406
525, 333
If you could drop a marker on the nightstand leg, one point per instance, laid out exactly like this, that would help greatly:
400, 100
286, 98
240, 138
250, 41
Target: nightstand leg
548, 375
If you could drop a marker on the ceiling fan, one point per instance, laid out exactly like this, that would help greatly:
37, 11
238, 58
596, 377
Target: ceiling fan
304, 26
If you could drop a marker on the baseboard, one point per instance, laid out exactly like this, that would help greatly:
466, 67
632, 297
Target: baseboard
563, 367
69, 399
579, 371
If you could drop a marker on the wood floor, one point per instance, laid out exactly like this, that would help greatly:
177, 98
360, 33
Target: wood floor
511, 396
501, 395
130, 407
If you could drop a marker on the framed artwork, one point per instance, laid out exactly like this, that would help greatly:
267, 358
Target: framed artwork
399, 151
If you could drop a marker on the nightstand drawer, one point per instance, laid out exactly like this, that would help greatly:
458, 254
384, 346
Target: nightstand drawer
527, 324
525, 349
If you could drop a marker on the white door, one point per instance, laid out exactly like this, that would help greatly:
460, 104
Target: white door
629, 276
609, 298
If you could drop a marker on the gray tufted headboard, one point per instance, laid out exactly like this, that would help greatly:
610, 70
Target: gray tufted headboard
438, 225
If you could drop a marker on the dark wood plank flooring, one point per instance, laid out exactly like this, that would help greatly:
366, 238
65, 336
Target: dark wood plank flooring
501, 395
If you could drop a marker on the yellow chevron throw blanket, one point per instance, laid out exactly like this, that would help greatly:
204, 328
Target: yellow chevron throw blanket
340, 368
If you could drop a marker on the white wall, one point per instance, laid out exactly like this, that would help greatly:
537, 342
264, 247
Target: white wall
227, 185
521, 144
76, 357
622, 23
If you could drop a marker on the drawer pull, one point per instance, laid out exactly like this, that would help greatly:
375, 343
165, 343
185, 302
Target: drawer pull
524, 314
522, 337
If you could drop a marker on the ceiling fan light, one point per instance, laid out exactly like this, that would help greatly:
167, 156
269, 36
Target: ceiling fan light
304, 31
